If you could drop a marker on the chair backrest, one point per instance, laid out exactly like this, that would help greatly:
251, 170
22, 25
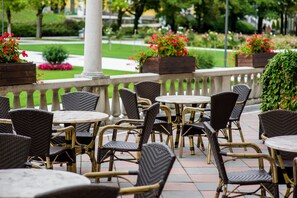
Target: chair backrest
4, 109
279, 122
213, 141
148, 89
222, 105
14, 150
154, 167
82, 191
129, 100
149, 119
36, 124
243, 92
80, 101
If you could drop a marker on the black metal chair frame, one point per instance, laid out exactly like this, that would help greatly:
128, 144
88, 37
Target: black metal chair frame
5, 108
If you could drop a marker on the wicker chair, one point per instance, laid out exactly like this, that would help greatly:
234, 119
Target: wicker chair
82, 191
222, 105
5, 108
276, 123
243, 92
14, 150
241, 178
154, 167
107, 152
37, 124
130, 104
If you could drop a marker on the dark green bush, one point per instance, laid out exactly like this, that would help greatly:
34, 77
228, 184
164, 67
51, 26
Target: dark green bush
245, 27
24, 30
55, 54
279, 82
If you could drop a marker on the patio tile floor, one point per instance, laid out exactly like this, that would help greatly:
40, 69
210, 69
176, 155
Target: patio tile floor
191, 176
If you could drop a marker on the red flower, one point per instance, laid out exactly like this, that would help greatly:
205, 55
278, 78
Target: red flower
24, 54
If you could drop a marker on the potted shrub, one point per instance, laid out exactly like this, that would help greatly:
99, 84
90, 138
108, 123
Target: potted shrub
13, 69
255, 52
166, 54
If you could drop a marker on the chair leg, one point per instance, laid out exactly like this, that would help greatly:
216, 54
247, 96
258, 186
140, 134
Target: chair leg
49, 164
192, 149
230, 139
161, 137
170, 137
127, 136
200, 143
92, 159
219, 188
181, 147
110, 167
208, 153
153, 137
240, 132
98, 169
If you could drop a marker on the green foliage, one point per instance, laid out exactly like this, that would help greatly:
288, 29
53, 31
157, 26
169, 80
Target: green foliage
245, 27
55, 54
279, 82
204, 60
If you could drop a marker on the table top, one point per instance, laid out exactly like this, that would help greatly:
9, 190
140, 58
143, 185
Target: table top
30, 182
283, 143
183, 99
74, 117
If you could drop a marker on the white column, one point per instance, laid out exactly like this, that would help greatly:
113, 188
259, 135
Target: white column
93, 40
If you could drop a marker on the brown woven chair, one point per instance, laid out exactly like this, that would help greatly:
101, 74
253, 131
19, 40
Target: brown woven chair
129, 99
222, 105
108, 152
5, 108
276, 123
243, 92
154, 167
37, 124
82, 191
241, 178
14, 150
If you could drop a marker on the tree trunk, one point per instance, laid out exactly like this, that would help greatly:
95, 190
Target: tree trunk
8, 14
120, 19
139, 8
233, 22
72, 4
39, 26
286, 22
260, 25
282, 23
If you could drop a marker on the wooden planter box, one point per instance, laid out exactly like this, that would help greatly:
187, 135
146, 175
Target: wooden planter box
17, 74
169, 65
253, 60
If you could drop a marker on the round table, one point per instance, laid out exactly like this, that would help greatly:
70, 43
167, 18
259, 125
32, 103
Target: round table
30, 182
283, 143
179, 101
75, 117
78, 117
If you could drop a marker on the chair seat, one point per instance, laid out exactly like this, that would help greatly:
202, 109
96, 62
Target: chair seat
162, 126
249, 177
64, 154
193, 129
83, 137
231, 119
121, 146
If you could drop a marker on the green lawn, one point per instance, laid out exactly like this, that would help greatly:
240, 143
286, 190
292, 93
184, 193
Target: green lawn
124, 51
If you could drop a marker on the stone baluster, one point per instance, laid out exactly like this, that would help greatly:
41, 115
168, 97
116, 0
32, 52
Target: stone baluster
104, 105
214, 85
163, 87
16, 100
180, 90
55, 101
43, 104
172, 88
197, 87
189, 86
115, 105
204, 86
235, 79
30, 100
242, 79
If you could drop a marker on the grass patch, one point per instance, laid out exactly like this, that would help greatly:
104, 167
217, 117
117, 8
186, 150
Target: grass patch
125, 51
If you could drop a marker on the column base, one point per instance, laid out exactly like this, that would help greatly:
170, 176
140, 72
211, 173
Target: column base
92, 75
